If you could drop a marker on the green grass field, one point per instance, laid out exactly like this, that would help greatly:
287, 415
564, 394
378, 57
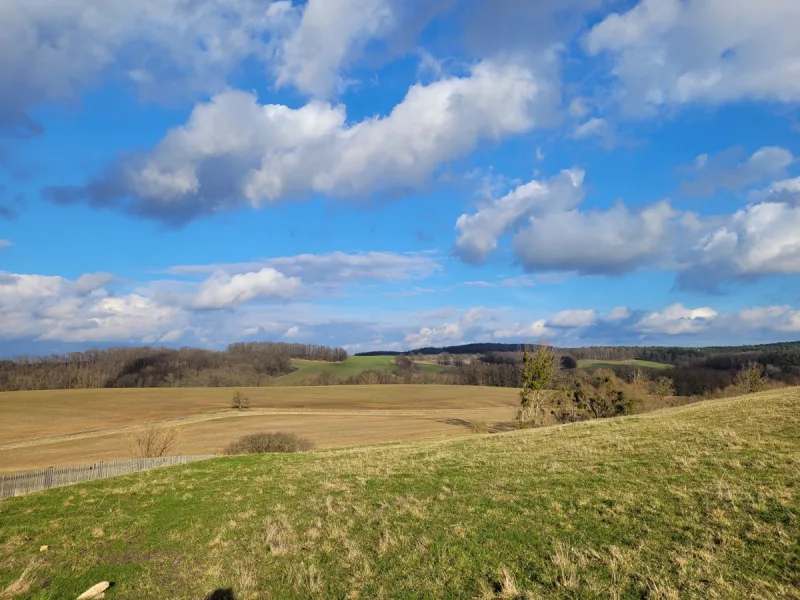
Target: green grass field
696, 502
615, 363
352, 366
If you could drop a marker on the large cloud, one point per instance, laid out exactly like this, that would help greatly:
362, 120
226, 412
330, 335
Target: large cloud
181, 48
673, 52
327, 39
54, 51
552, 233
224, 291
478, 233
54, 308
330, 31
761, 239
607, 242
234, 150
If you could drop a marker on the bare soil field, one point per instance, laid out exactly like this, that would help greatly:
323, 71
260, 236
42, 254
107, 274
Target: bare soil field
65, 427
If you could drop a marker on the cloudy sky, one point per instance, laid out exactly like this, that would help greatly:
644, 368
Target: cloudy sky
393, 174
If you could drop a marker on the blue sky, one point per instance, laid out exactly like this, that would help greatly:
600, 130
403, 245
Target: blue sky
384, 174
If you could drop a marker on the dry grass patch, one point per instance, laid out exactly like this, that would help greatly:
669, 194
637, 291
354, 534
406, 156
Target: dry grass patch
20, 586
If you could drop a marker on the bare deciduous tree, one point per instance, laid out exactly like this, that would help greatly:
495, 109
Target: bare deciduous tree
240, 401
661, 388
152, 441
751, 379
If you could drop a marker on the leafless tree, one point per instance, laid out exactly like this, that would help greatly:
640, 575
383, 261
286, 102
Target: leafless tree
152, 441
240, 401
751, 379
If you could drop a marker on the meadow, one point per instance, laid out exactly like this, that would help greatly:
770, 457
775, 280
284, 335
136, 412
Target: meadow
68, 427
607, 364
353, 365
700, 501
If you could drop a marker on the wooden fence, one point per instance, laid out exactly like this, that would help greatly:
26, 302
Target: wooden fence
17, 484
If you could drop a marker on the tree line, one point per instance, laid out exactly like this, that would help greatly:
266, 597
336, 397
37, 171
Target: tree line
293, 350
672, 355
246, 365
702, 375
697, 371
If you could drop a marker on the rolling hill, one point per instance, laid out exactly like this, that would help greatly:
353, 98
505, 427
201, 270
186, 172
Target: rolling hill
700, 501
344, 369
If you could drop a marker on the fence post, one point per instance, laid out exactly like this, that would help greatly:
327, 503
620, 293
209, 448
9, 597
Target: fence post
48, 478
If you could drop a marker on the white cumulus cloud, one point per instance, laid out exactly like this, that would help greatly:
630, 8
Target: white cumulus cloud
225, 291
478, 233
329, 33
574, 318
609, 241
674, 52
676, 319
54, 308
535, 331
234, 149
54, 51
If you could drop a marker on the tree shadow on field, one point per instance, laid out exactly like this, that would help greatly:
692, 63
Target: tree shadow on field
499, 427
458, 422
505, 426
221, 594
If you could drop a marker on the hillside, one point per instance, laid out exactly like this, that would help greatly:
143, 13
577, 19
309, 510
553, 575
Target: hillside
642, 364
353, 365
700, 501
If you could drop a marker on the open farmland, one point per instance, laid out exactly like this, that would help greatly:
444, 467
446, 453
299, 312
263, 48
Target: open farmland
699, 501
54, 428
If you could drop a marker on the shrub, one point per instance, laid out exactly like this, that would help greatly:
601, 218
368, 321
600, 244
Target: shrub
326, 378
260, 443
602, 400
567, 362
479, 426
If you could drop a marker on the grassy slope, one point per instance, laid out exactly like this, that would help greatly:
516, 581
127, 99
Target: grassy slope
614, 363
701, 501
352, 366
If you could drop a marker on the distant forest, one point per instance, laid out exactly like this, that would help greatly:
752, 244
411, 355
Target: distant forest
673, 355
242, 364
696, 371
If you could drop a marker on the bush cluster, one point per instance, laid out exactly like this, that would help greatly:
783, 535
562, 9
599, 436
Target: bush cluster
261, 443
